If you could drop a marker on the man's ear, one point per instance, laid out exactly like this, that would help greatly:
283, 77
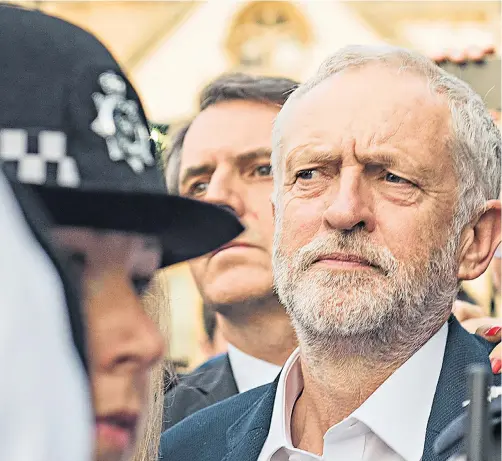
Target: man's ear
480, 242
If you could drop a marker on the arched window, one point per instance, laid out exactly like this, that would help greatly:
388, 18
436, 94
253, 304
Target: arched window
269, 37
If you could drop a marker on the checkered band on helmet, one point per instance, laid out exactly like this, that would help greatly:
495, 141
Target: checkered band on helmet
39, 158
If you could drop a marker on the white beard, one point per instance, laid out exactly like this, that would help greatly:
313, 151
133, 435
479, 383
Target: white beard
388, 304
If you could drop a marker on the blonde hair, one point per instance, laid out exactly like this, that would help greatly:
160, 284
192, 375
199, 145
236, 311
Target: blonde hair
156, 303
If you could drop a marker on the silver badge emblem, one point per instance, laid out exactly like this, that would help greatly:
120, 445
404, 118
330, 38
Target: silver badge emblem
120, 124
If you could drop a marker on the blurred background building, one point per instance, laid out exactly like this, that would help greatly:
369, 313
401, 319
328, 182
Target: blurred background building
171, 49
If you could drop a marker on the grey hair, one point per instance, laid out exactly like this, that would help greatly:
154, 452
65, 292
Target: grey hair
227, 87
475, 140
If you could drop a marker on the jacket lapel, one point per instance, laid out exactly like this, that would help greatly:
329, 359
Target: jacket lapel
220, 383
246, 437
462, 350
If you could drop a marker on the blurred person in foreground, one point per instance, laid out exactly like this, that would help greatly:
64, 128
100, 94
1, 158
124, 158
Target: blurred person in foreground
45, 405
73, 132
376, 225
223, 157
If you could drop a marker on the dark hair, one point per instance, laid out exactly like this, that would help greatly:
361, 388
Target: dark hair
209, 321
227, 87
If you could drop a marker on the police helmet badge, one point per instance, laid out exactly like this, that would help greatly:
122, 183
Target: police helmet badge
119, 123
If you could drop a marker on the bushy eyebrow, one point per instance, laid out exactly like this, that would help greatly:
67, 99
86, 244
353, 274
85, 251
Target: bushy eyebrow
382, 159
310, 156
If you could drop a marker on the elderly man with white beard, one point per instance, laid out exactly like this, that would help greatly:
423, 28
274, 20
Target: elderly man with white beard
386, 185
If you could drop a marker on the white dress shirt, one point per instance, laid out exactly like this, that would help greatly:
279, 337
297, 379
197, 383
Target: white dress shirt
250, 372
389, 426
45, 407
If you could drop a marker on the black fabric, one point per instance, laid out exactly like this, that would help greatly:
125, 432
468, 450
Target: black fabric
39, 224
236, 429
186, 230
455, 432
57, 78
212, 382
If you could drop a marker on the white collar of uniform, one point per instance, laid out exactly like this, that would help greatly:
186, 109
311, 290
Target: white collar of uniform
397, 412
250, 372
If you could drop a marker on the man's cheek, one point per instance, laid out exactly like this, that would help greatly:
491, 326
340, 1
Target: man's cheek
302, 224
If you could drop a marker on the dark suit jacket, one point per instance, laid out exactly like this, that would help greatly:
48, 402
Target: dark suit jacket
212, 382
236, 429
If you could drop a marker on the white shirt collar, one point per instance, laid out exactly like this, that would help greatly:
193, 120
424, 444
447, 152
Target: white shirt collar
397, 412
250, 372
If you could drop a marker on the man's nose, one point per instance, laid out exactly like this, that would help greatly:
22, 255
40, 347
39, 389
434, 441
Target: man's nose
226, 190
150, 340
351, 206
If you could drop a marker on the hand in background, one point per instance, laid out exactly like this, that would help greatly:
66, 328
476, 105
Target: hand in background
474, 320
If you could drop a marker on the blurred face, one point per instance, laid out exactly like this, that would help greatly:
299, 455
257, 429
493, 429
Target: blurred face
363, 242
226, 160
123, 342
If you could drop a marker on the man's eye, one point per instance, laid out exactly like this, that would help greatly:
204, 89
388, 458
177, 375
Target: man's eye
198, 188
306, 174
263, 170
393, 178
141, 285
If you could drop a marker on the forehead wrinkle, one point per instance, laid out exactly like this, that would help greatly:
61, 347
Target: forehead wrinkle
387, 157
308, 153
422, 112
394, 159
252, 155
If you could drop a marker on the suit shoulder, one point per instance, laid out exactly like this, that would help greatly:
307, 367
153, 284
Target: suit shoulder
202, 436
487, 345
204, 373
212, 382
225, 411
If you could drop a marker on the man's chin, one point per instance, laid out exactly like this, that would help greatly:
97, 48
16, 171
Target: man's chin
337, 311
237, 288
230, 301
237, 297
330, 328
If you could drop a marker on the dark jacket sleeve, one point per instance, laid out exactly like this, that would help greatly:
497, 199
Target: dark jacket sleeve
203, 435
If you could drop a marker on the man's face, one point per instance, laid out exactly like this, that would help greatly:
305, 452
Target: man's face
363, 237
226, 160
123, 342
